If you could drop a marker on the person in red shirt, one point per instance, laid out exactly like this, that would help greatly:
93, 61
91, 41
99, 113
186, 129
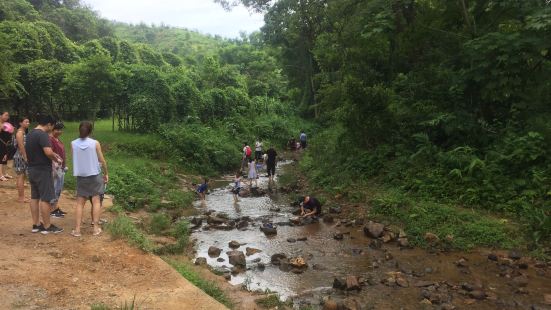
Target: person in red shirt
58, 169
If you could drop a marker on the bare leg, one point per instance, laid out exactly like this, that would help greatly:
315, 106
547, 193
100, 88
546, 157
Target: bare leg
21, 187
2, 170
78, 213
45, 209
34, 212
96, 209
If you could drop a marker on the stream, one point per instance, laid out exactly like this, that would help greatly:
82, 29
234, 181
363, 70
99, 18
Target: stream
388, 276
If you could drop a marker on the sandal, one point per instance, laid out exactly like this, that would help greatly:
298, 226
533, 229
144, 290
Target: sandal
98, 232
3, 178
7, 176
75, 234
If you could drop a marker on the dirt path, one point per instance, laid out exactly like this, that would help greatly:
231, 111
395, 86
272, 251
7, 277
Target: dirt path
62, 272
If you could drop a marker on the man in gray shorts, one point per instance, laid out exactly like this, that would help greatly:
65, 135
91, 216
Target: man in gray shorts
40, 156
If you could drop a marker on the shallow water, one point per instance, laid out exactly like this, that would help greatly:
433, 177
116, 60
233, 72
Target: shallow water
353, 256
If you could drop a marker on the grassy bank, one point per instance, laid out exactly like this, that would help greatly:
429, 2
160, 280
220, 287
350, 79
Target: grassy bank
459, 228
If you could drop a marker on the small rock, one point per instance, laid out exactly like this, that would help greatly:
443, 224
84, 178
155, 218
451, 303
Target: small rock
520, 281
242, 225
298, 262
330, 305
338, 236
234, 244
251, 251
227, 276
403, 242
431, 238
268, 229
335, 210
339, 284
220, 259
423, 283
196, 221
492, 257
318, 267
373, 230
478, 294
213, 220
514, 255
425, 302
352, 283
467, 287
256, 260
291, 240
462, 262
237, 258
214, 251
276, 258
302, 239
200, 261
261, 266
401, 281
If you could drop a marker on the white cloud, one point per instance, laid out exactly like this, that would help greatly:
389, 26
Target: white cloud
202, 15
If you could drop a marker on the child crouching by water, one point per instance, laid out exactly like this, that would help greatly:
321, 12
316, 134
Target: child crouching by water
236, 186
202, 189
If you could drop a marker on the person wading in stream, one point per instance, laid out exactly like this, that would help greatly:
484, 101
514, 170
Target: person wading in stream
236, 186
271, 163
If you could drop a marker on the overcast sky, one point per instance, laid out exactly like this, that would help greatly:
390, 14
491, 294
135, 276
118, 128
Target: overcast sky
202, 15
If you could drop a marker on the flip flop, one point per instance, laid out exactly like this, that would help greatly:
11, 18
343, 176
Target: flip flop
7, 176
98, 232
3, 178
75, 234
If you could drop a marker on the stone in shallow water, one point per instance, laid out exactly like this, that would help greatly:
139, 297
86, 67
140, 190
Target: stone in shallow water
214, 251
373, 230
237, 258
234, 244
251, 251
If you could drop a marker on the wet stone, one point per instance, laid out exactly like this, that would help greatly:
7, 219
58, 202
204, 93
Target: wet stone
251, 251
352, 283
227, 276
260, 266
492, 257
374, 230
220, 259
403, 242
276, 258
237, 258
514, 255
242, 225
291, 240
338, 236
214, 251
302, 239
339, 283
335, 210
234, 244
462, 262
200, 261
477, 294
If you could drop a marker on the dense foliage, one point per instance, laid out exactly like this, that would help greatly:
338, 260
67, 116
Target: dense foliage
446, 99
201, 95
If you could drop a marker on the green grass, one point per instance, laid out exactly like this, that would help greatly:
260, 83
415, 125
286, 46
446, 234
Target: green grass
122, 227
208, 287
270, 301
469, 228
158, 223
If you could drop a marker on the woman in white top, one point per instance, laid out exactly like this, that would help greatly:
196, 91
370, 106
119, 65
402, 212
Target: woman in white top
258, 150
90, 183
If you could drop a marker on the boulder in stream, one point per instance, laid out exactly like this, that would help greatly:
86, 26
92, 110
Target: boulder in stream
200, 261
374, 230
234, 244
268, 229
237, 258
214, 251
276, 258
214, 220
251, 251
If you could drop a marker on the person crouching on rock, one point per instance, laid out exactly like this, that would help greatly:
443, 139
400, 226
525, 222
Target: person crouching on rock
310, 208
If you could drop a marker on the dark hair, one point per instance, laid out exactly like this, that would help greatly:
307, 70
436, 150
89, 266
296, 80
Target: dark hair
21, 119
44, 120
85, 129
59, 125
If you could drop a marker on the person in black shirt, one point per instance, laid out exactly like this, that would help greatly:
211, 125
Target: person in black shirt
271, 163
40, 156
310, 207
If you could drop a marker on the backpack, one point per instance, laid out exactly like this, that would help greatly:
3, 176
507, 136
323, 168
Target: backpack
248, 151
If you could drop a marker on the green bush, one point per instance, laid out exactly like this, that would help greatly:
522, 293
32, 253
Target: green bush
122, 227
158, 223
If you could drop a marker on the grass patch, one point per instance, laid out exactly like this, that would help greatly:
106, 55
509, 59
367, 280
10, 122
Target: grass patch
180, 231
208, 287
123, 228
469, 228
270, 301
158, 223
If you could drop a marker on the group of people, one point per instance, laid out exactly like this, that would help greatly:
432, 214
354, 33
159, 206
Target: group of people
40, 155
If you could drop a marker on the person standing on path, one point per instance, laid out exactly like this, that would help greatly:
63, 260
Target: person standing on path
257, 149
302, 139
86, 155
6, 132
59, 169
271, 163
40, 156
20, 158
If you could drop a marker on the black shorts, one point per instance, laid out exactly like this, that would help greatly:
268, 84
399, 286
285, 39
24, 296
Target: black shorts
257, 155
42, 183
271, 168
303, 144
